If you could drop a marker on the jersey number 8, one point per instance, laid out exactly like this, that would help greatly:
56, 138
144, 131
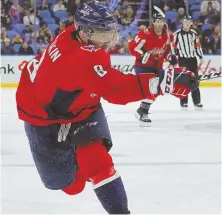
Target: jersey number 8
100, 71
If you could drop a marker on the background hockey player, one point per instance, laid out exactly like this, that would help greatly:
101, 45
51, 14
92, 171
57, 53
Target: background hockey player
58, 97
151, 47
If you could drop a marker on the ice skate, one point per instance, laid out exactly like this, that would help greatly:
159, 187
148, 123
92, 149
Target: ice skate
198, 107
142, 115
184, 107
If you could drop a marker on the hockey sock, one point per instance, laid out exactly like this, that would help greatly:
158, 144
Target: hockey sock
112, 195
77, 186
145, 106
97, 165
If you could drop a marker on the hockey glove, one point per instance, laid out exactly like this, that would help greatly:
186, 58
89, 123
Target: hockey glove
172, 59
177, 82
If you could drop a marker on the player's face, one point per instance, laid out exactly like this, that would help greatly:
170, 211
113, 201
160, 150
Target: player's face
187, 24
158, 24
105, 39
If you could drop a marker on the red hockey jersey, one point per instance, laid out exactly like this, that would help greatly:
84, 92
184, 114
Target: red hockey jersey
66, 82
148, 41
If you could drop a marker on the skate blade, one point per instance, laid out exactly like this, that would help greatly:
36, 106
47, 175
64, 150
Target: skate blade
141, 123
198, 108
144, 124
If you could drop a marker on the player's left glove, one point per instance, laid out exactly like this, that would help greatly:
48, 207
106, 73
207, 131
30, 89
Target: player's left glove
177, 81
172, 59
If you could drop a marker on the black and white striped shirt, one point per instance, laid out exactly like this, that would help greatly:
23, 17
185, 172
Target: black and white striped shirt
187, 44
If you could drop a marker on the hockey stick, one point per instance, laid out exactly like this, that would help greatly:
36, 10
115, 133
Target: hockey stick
208, 76
203, 77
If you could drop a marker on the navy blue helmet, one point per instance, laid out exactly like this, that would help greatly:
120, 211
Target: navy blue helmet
98, 22
95, 16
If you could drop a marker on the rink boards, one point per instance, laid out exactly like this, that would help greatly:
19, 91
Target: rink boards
11, 67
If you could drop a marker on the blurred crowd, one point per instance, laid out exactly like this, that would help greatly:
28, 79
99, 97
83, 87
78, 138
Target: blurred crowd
24, 33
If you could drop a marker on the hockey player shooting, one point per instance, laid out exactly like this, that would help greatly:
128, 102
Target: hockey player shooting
151, 48
58, 98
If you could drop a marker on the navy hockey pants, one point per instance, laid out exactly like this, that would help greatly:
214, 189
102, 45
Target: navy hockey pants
55, 161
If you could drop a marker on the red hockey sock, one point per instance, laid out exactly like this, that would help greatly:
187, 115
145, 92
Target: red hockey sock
94, 161
77, 186
96, 164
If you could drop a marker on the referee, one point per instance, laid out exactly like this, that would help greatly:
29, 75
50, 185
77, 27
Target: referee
188, 48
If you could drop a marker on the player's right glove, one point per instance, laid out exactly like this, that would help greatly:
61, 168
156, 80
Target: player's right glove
177, 81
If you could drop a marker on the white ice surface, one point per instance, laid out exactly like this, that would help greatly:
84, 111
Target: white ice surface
172, 167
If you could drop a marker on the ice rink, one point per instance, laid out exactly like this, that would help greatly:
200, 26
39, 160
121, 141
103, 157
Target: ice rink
172, 167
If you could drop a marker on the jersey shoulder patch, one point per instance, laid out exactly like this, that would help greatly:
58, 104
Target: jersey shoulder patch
148, 30
90, 48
